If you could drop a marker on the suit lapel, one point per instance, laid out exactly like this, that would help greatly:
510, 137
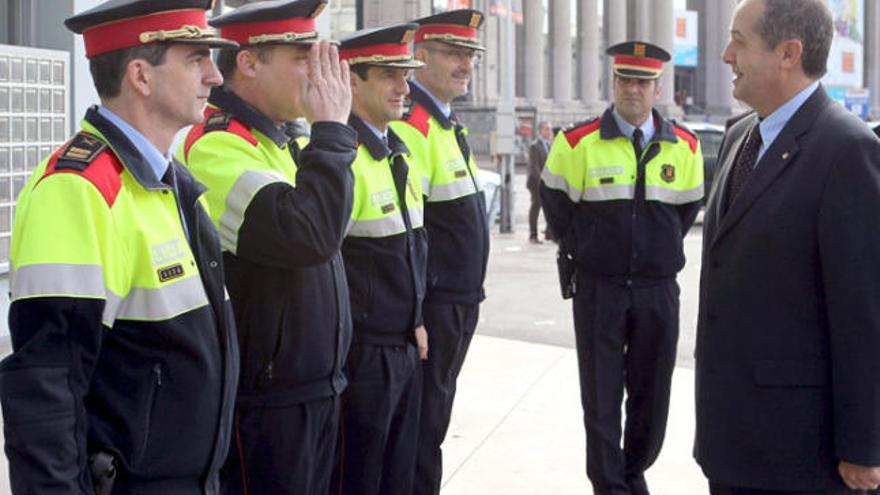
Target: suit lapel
715, 206
780, 154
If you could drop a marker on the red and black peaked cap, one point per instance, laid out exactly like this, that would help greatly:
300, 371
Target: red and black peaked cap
276, 22
383, 47
119, 24
454, 27
638, 59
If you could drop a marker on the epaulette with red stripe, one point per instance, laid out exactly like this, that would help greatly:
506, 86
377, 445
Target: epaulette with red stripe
686, 134
582, 129
90, 158
417, 116
217, 120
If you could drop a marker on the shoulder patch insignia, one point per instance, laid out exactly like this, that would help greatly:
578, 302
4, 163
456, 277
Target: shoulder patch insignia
580, 130
218, 121
82, 150
687, 135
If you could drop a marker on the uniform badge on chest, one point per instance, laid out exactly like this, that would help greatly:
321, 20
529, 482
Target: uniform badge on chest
170, 272
667, 173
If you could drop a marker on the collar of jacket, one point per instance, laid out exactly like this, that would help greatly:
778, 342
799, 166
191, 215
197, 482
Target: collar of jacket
663, 128
135, 163
230, 102
126, 151
374, 145
418, 95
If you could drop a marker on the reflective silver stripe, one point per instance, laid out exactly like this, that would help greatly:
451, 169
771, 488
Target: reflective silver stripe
237, 201
608, 193
559, 183
671, 196
65, 280
58, 279
111, 308
426, 186
464, 186
378, 227
163, 303
416, 217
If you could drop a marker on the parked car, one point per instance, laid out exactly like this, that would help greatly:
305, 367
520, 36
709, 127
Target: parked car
710, 140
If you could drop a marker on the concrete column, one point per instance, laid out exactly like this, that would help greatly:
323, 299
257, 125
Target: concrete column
643, 27
872, 55
615, 32
384, 12
588, 51
663, 36
560, 33
718, 76
533, 19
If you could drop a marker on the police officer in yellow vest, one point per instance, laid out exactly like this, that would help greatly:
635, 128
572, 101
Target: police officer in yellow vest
281, 209
455, 218
125, 362
620, 192
385, 254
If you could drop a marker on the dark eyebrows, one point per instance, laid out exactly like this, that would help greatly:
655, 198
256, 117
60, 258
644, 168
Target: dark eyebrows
204, 52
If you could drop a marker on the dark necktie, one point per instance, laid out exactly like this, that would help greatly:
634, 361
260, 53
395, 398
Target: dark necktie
745, 163
637, 143
639, 195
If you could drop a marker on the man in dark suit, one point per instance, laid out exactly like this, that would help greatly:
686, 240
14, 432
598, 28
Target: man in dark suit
787, 375
537, 156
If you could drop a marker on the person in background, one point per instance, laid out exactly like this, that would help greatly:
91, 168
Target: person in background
537, 156
620, 192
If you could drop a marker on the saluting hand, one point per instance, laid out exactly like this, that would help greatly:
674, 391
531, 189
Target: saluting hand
328, 91
859, 477
422, 342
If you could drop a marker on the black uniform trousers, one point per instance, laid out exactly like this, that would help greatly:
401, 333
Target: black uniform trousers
718, 489
534, 211
287, 450
626, 340
450, 330
380, 420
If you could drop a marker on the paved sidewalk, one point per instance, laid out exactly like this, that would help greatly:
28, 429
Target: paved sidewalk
517, 426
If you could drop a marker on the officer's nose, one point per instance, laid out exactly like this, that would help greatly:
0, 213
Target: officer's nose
212, 77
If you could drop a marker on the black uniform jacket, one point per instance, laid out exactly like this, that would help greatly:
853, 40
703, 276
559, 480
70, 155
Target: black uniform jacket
633, 239
386, 275
287, 279
788, 380
458, 231
142, 390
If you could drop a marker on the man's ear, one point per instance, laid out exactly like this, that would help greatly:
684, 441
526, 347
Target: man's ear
791, 53
140, 76
420, 53
246, 63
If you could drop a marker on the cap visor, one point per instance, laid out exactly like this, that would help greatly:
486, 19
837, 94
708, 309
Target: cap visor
210, 42
637, 74
464, 44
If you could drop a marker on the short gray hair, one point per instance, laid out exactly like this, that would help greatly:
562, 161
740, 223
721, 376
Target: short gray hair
806, 20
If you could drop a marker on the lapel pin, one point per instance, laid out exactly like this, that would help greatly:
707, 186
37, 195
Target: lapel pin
785, 156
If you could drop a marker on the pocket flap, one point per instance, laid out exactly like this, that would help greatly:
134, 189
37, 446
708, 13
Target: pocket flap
791, 373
